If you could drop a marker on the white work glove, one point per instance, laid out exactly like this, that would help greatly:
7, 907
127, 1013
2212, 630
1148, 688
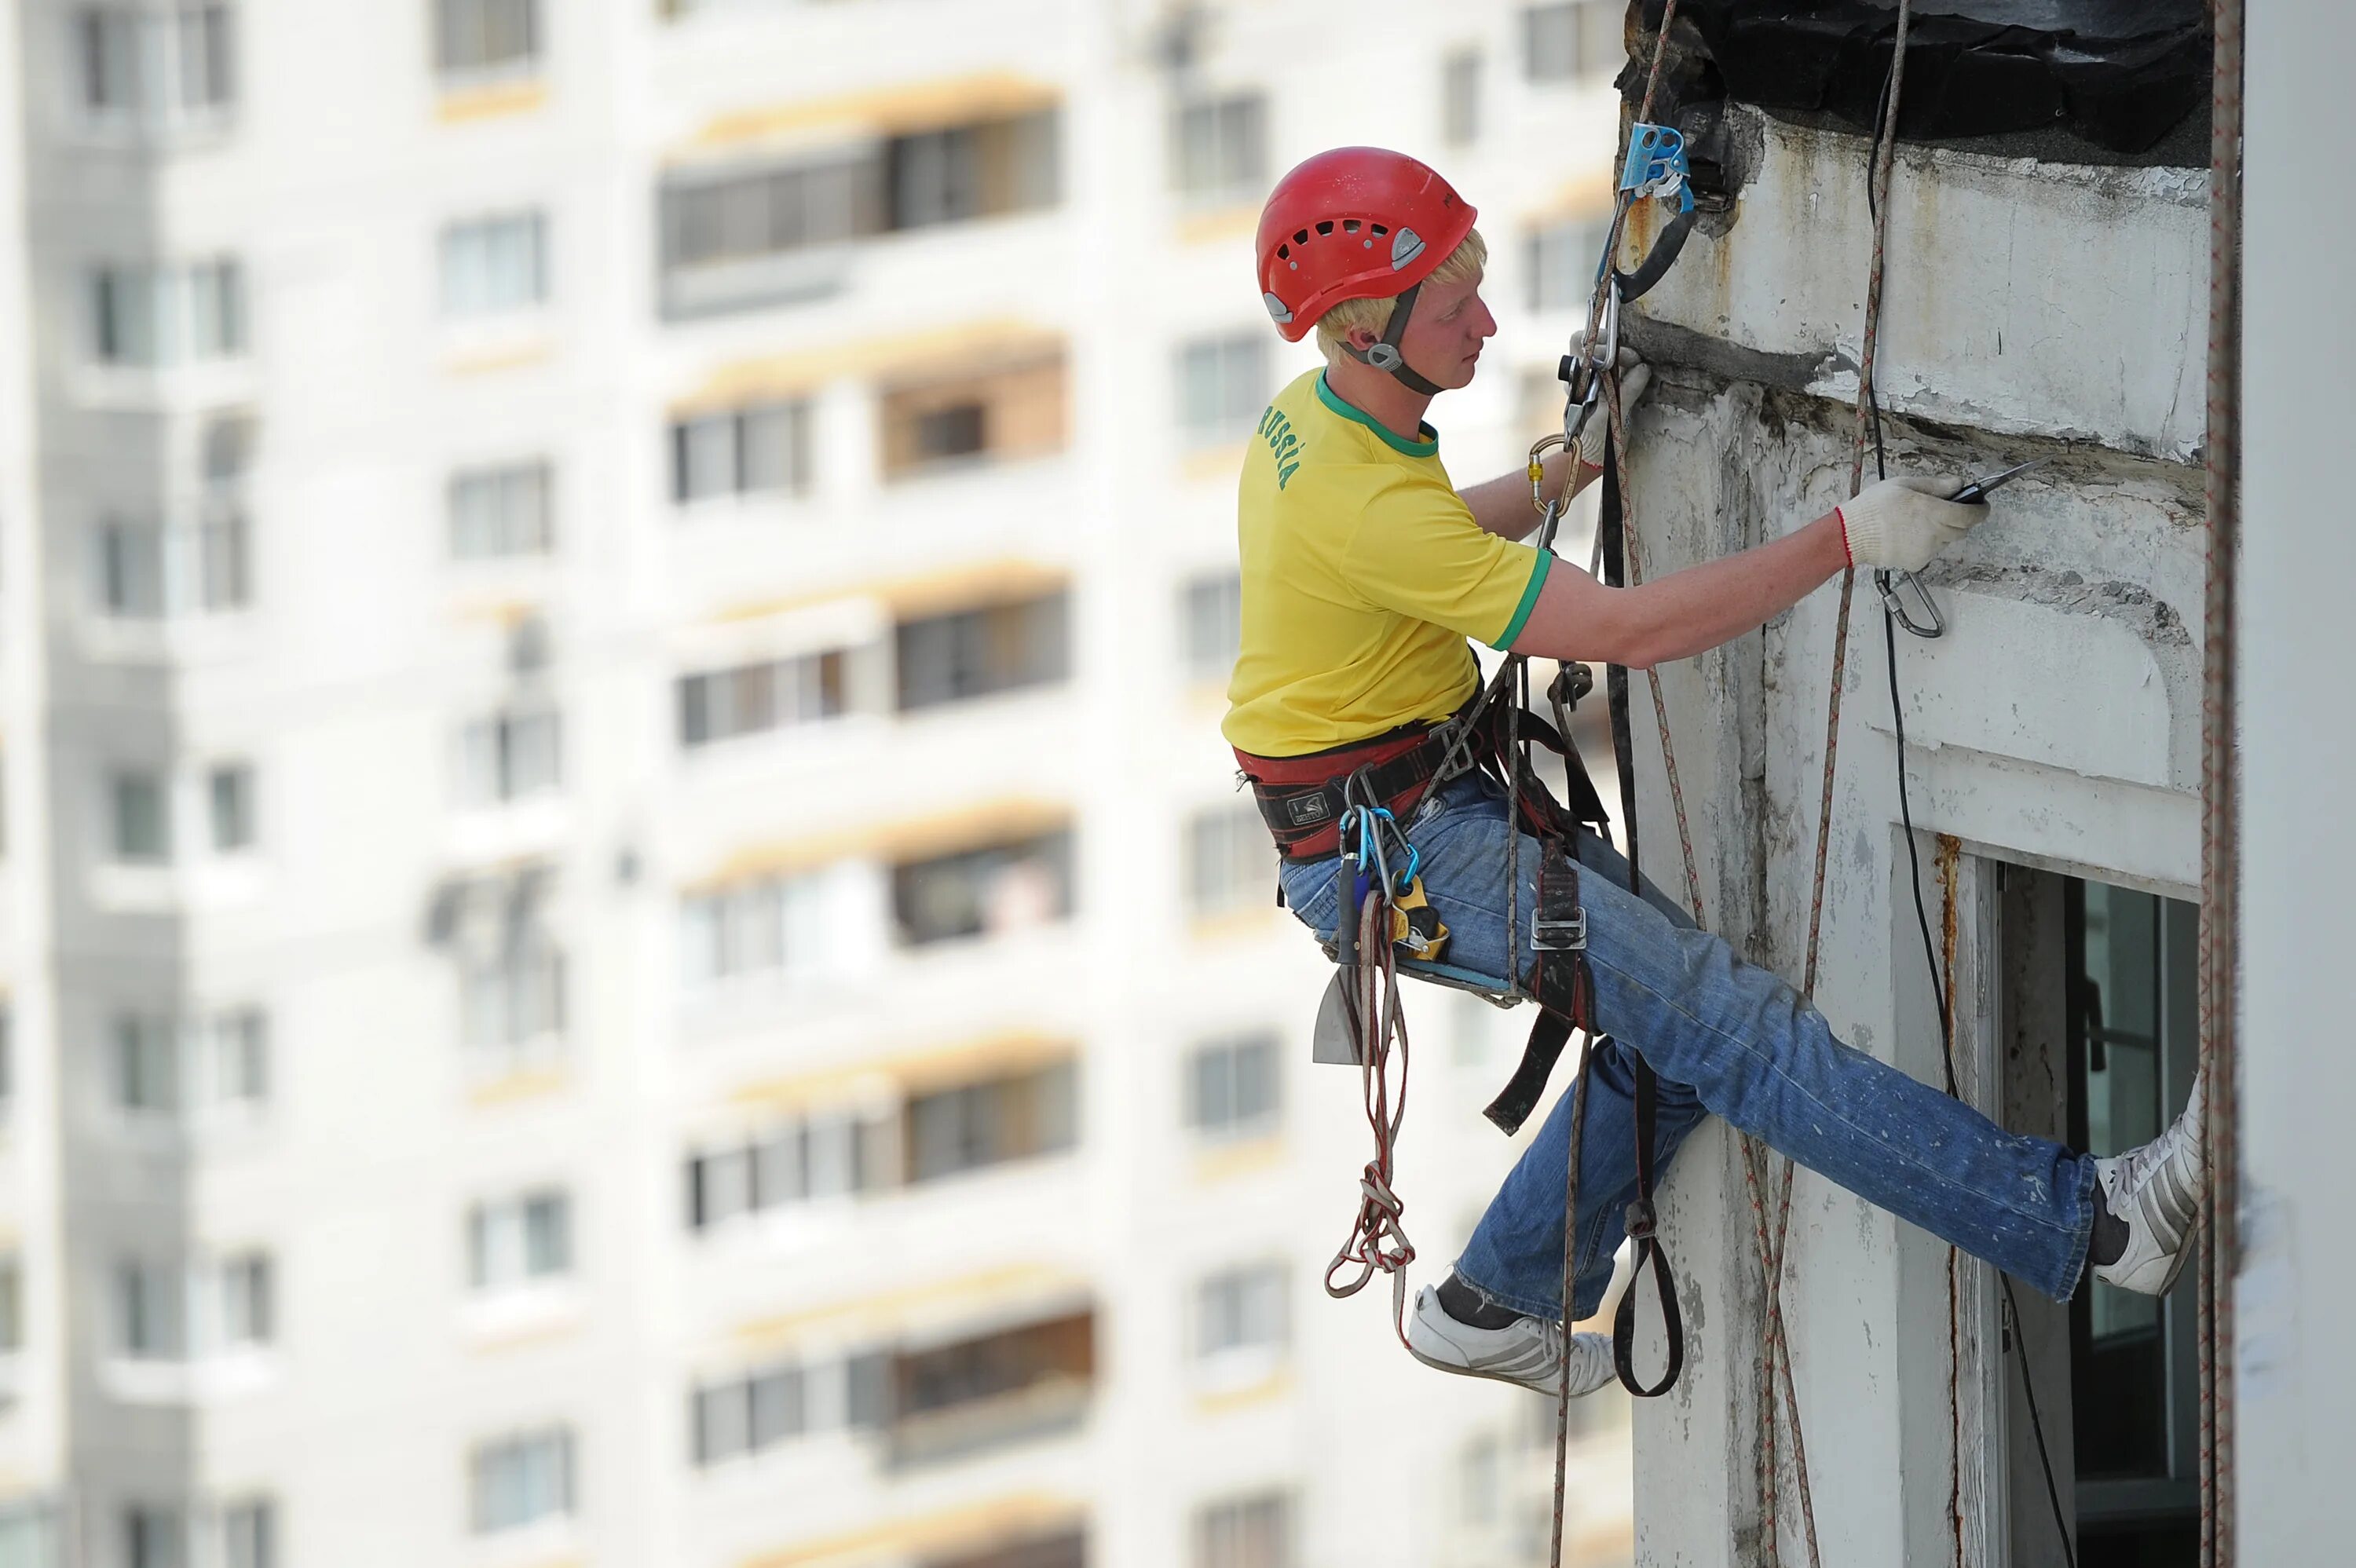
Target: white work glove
1902, 524
1635, 381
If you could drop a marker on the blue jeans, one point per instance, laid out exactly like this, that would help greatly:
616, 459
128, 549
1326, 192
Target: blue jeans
1723, 1036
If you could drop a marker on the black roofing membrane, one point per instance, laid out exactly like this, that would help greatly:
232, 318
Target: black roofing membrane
2118, 73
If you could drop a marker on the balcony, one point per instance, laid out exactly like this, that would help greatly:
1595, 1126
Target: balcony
992, 1392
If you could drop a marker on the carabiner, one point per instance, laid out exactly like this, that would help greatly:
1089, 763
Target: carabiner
1886, 582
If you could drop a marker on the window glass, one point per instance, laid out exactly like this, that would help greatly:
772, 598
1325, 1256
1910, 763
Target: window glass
1222, 146
1460, 98
486, 35
1245, 1533
520, 1480
1230, 864
1211, 617
977, 652
493, 265
500, 511
993, 889
250, 1534
2131, 1014
229, 794
1222, 386
140, 827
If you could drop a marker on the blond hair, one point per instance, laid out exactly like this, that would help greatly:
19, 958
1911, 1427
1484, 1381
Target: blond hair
1333, 328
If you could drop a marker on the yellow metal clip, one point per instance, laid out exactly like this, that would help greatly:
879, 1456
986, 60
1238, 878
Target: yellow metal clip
1415, 927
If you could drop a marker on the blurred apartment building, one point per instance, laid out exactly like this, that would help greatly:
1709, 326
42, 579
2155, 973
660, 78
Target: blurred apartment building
627, 938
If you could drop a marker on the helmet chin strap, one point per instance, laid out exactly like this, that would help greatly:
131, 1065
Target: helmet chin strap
1386, 355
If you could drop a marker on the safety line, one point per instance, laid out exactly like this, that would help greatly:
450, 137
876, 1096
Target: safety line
2220, 791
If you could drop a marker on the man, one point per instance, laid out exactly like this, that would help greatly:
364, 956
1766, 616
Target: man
1364, 570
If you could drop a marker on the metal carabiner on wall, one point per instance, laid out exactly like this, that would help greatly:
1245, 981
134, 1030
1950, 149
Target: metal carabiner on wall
1886, 584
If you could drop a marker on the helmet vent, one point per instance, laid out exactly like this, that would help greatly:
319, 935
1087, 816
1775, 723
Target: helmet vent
1326, 226
1282, 252
1377, 230
1349, 226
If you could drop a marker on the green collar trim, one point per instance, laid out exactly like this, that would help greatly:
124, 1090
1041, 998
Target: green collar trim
1427, 447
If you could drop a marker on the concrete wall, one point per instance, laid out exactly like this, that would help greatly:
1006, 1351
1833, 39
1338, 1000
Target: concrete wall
2031, 311
2298, 1378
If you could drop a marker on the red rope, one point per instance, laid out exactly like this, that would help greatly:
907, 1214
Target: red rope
1377, 1242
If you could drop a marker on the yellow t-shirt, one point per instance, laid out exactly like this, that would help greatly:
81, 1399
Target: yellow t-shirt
1363, 574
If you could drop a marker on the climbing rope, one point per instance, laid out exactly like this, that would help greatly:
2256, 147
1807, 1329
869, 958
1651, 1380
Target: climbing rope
2220, 805
1763, 1168
1377, 1242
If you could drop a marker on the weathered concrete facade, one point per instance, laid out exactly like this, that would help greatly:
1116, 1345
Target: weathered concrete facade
2032, 310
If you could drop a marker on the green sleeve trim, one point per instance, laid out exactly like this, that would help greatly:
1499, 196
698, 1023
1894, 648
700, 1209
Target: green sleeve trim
1529, 602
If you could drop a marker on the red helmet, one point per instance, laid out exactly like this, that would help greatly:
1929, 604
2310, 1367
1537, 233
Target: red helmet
1351, 224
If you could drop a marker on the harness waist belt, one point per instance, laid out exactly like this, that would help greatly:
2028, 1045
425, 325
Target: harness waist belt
1302, 798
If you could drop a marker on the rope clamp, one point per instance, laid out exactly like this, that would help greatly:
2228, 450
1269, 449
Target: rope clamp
1657, 166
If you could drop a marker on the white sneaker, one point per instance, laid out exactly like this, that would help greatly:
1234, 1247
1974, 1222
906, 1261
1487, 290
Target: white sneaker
1525, 1351
2156, 1191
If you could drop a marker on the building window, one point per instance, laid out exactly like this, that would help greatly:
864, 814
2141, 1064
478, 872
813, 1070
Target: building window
493, 265
149, 1311
746, 1415
1460, 98
155, 1537
1211, 617
229, 793
1245, 1533
1564, 261
483, 37
766, 927
1233, 1087
988, 891
509, 755
159, 1072
968, 654
802, 1159
522, 1480
756, 698
754, 237
762, 237
763, 449
250, 1534
1002, 416
1222, 387
2132, 1045
239, 1039
1581, 39
156, 68
972, 1126
500, 511
12, 1306
1221, 150
141, 821
513, 1006
963, 172
148, 570
1241, 1311
519, 1240
246, 1301
146, 1065
995, 1387
158, 317
1230, 864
